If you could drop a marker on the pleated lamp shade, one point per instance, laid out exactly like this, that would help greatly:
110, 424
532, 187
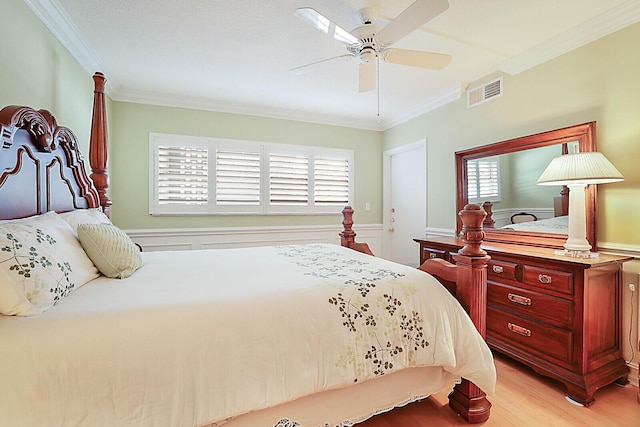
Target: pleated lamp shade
580, 168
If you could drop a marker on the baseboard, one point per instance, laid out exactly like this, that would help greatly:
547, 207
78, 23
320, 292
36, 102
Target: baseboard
219, 238
633, 374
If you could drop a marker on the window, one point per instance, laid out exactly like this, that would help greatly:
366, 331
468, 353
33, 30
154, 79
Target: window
192, 175
483, 180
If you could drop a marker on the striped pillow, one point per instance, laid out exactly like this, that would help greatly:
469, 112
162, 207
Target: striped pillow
110, 249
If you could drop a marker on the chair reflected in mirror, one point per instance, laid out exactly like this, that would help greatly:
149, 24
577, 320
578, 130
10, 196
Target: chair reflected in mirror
523, 217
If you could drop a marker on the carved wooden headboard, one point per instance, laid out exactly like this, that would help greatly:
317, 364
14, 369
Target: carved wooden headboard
41, 168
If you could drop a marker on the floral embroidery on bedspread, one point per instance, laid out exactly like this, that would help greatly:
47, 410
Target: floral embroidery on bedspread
287, 423
384, 327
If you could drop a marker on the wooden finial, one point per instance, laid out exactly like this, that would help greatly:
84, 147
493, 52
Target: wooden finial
348, 236
488, 221
472, 232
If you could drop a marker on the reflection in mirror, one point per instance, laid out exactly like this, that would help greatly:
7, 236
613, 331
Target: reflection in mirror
517, 190
503, 176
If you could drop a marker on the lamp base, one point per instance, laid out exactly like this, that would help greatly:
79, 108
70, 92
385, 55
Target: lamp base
577, 253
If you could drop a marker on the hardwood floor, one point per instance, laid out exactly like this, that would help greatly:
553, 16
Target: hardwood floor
523, 398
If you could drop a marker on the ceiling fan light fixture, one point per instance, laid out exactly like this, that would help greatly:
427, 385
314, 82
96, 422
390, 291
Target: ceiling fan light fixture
368, 55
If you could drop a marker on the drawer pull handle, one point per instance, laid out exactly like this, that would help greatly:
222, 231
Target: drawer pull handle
498, 269
519, 330
519, 299
433, 256
544, 278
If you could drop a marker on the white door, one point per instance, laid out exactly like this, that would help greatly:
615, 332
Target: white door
405, 202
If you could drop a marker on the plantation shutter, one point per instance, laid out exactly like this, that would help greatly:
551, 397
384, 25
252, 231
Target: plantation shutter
288, 179
237, 178
483, 180
331, 181
208, 176
182, 175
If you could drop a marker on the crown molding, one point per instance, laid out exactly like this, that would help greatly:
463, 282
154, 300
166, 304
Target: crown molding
249, 110
56, 19
437, 101
609, 22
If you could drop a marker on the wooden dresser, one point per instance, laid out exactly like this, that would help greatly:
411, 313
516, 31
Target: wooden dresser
557, 314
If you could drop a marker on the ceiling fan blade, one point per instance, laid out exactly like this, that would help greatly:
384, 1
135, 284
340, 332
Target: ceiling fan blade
416, 58
412, 18
304, 68
367, 76
324, 24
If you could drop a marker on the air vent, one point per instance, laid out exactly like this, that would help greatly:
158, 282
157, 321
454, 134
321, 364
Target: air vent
484, 93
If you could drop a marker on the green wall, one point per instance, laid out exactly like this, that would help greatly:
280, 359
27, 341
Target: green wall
523, 169
129, 159
597, 82
37, 71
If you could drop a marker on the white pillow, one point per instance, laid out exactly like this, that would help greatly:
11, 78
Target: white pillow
84, 216
41, 262
110, 249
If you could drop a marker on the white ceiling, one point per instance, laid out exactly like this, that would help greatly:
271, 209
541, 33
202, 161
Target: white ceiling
234, 56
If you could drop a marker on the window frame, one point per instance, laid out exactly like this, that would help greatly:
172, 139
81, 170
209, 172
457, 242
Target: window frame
265, 149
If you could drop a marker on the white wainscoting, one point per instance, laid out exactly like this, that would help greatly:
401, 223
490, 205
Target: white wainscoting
218, 238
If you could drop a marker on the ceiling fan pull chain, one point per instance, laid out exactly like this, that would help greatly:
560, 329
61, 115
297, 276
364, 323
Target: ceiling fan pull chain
378, 86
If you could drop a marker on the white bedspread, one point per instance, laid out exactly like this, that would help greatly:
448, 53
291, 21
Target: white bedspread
196, 337
558, 224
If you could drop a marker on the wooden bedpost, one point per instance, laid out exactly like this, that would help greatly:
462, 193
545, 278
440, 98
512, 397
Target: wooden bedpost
348, 236
470, 277
98, 144
471, 264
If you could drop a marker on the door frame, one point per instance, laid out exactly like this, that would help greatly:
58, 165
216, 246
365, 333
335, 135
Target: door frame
386, 190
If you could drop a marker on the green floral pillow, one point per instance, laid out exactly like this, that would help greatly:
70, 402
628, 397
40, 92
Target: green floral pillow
41, 262
110, 249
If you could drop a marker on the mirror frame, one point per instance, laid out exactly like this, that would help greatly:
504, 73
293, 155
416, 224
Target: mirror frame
584, 133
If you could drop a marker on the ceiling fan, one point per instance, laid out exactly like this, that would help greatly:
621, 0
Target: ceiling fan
369, 43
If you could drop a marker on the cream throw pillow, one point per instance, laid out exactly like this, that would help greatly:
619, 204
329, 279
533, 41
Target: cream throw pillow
41, 262
110, 249
84, 216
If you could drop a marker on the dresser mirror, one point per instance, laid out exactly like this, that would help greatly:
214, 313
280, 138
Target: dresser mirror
519, 163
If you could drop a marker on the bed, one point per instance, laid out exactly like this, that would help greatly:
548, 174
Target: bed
558, 224
97, 333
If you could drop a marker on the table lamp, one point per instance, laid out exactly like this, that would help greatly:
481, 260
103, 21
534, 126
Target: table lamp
576, 171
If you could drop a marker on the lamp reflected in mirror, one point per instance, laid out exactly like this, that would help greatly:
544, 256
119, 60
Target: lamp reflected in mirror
576, 171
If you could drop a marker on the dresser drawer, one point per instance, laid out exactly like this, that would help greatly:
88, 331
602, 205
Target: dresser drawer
501, 269
430, 253
560, 281
528, 335
549, 309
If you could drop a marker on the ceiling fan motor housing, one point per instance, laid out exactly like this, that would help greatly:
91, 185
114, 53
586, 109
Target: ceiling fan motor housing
367, 50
